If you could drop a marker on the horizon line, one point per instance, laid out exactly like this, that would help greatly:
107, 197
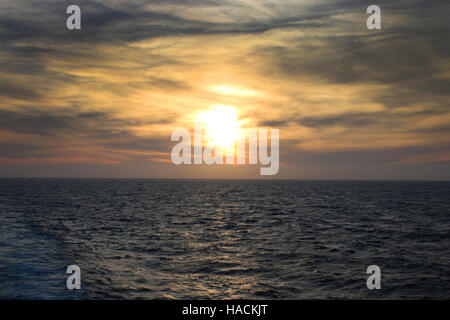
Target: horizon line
230, 179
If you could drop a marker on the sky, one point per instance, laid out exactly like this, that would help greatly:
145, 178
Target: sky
102, 102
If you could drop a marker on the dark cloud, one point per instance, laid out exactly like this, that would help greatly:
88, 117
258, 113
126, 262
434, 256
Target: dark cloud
129, 21
100, 128
380, 156
169, 84
406, 66
18, 149
17, 90
404, 56
351, 120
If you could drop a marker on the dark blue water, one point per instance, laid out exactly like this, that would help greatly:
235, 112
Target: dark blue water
223, 239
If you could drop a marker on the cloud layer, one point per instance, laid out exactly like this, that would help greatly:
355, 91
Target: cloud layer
349, 102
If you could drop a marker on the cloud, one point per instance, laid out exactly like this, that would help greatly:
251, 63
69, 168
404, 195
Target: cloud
139, 69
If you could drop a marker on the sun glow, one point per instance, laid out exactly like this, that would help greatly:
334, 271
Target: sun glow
221, 126
233, 91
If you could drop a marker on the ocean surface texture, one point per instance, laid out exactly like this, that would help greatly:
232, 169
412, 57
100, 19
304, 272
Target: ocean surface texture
211, 239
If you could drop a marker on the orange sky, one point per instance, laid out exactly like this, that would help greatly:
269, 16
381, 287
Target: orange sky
350, 103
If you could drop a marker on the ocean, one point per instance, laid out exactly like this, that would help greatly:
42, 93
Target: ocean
223, 239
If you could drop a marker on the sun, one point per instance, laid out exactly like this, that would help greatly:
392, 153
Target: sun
221, 126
